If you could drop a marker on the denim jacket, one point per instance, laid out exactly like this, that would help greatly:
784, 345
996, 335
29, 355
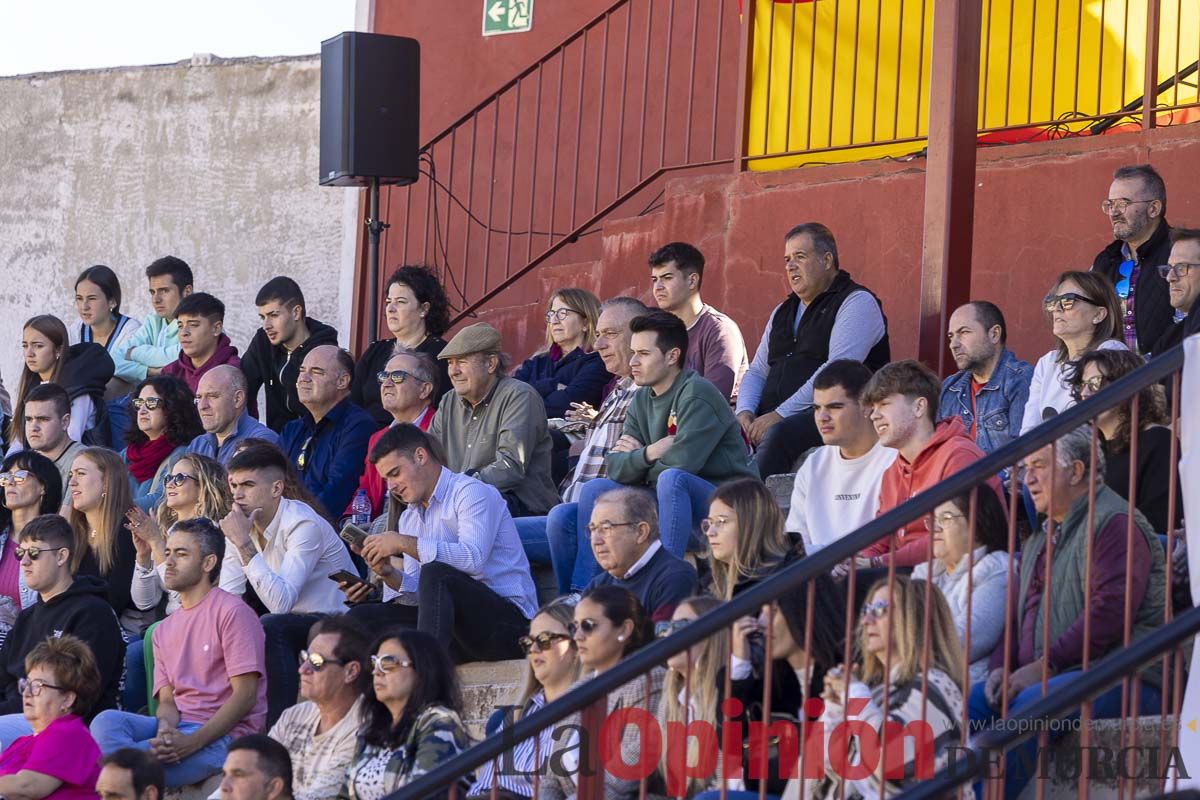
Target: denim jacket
1000, 402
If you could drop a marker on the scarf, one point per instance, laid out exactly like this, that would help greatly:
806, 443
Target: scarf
144, 458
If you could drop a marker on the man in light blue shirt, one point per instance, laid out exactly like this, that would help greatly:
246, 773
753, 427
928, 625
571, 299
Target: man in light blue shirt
221, 402
456, 568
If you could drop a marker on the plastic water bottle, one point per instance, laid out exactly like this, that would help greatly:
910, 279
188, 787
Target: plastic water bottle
360, 510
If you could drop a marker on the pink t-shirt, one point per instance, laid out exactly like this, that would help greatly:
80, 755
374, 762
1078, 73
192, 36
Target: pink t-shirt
10, 572
197, 650
64, 750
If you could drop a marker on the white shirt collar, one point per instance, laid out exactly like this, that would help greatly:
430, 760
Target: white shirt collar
644, 560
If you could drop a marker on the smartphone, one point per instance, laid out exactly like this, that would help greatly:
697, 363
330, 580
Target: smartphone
345, 576
353, 535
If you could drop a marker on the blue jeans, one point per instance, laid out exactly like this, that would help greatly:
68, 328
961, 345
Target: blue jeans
554, 540
682, 503
113, 730
133, 694
1021, 762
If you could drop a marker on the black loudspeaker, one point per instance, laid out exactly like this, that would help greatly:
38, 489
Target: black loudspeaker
370, 90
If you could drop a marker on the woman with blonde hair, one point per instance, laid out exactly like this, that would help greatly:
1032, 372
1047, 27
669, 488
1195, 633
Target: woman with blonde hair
891, 632
746, 538
553, 668
98, 498
567, 371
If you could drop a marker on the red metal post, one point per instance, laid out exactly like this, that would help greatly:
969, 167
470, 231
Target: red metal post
950, 173
1150, 93
741, 145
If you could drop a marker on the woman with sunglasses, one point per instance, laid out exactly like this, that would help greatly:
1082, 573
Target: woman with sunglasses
1084, 315
166, 421
59, 760
976, 577
1095, 371
98, 497
411, 719
416, 313
891, 641
30, 486
553, 669
609, 625
746, 539
567, 371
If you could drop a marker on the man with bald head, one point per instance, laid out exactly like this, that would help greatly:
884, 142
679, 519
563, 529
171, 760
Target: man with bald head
221, 402
328, 443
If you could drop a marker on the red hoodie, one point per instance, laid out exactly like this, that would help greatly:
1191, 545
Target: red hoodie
190, 374
949, 451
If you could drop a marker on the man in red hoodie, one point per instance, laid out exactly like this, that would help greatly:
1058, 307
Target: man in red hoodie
902, 399
202, 342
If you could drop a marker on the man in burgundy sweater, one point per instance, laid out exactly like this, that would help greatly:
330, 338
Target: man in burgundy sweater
1057, 478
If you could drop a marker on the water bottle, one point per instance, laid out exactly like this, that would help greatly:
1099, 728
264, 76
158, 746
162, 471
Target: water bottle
360, 510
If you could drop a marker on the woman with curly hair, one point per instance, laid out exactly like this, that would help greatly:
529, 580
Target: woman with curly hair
165, 424
1096, 370
417, 314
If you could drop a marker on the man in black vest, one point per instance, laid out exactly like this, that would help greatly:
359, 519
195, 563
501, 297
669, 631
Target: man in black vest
827, 317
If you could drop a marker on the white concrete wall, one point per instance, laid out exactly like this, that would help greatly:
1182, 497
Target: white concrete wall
214, 163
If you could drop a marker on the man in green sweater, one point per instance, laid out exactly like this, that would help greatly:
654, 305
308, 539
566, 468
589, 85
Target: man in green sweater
680, 438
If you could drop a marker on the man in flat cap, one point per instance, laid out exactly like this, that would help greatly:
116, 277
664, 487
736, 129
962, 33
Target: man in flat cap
494, 428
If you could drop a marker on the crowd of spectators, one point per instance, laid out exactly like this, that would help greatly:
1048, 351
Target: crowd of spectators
170, 546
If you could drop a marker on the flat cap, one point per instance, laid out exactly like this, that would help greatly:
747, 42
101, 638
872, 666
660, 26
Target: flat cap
477, 338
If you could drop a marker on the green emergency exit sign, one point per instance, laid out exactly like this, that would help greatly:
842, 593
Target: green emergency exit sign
507, 16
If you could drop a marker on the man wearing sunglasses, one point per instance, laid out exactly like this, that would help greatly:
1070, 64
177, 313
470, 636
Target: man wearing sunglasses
1136, 208
1182, 274
72, 604
47, 422
209, 667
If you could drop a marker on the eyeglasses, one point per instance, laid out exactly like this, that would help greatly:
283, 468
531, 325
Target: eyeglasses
876, 610
34, 553
664, 629
542, 642
1119, 205
15, 478
178, 479
396, 376
1179, 270
385, 664
34, 687
149, 403
560, 314
939, 521
587, 626
317, 661
1091, 385
1064, 302
606, 528
713, 524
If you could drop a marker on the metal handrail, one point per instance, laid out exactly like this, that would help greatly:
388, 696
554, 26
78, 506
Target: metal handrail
795, 575
1061, 701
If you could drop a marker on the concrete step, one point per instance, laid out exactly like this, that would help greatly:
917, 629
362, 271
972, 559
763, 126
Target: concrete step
487, 685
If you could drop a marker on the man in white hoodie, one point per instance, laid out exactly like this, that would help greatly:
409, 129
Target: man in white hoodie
837, 488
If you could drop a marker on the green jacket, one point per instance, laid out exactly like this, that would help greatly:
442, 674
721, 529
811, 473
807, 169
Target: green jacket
1068, 571
708, 439
155, 344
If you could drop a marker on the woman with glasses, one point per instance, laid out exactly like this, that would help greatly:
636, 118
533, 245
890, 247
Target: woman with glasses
609, 625
60, 760
411, 721
553, 669
746, 540
891, 640
165, 423
567, 371
416, 313
98, 498
1095, 371
1084, 315
31, 486
978, 577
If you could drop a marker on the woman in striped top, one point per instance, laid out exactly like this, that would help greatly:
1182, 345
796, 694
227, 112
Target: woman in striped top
553, 669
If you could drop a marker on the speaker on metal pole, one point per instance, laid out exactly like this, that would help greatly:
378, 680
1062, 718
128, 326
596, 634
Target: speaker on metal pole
370, 90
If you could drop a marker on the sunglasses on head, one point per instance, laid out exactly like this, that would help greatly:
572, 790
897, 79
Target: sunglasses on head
149, 403
664, 629
178, 479
1064, 302
542, 642
587, 626
317, 661
14, 478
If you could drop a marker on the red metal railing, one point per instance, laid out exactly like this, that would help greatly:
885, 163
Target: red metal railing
915, 640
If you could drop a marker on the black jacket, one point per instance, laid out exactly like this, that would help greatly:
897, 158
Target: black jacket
1152, 314
272, 366
82, 610
87, 371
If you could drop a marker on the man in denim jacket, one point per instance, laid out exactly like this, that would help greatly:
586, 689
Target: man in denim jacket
990, 389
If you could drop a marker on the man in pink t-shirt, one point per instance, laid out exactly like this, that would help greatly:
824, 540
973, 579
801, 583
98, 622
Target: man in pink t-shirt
209, 667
